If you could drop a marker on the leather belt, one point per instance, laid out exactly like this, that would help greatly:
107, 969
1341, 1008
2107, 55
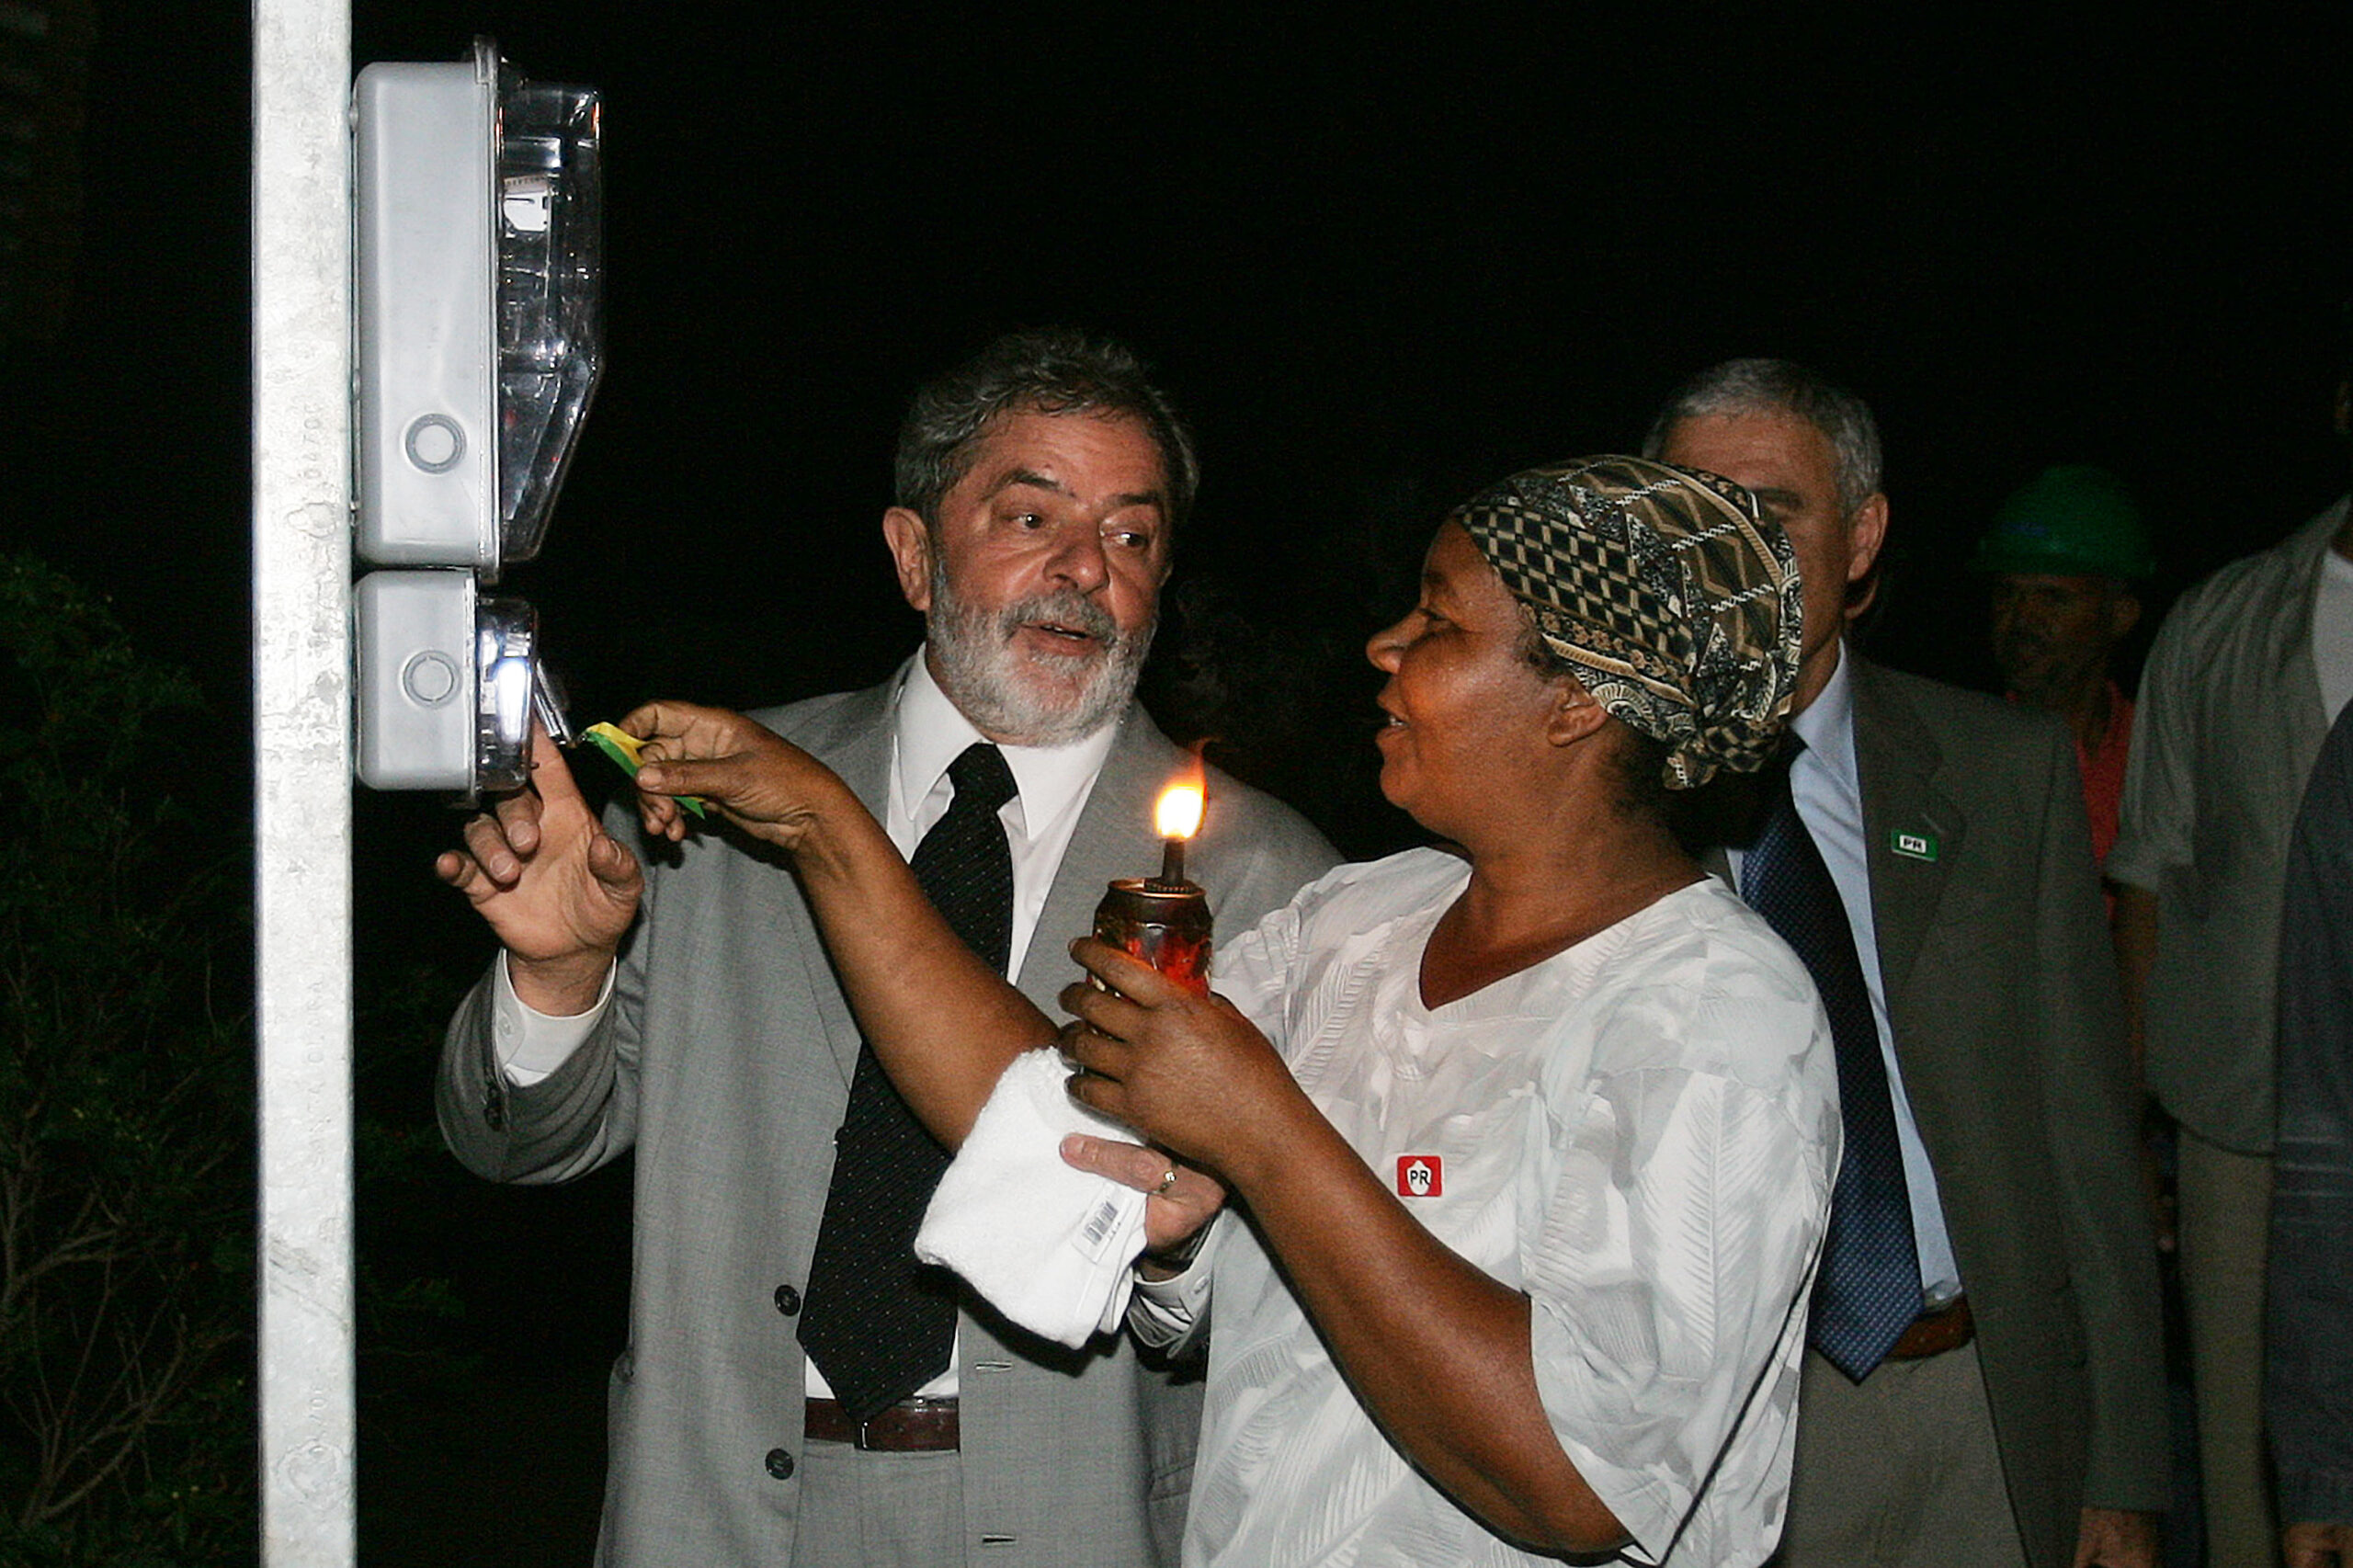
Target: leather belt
910, 1426
1932, 1333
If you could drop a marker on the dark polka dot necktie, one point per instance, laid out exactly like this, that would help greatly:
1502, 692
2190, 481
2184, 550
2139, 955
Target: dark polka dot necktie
880, 1324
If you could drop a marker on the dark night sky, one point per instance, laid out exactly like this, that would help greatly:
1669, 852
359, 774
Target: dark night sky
1379, 262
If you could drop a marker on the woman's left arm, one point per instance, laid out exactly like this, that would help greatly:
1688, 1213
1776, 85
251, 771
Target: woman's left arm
1438, 1351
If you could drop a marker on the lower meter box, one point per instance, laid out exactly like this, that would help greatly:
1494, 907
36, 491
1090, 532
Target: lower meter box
449, 682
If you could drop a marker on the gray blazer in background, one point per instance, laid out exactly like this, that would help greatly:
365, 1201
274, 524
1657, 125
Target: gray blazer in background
724, 1060
2007, 1012
2004, 1003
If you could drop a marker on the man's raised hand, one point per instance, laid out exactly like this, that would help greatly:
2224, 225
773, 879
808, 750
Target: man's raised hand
557, 889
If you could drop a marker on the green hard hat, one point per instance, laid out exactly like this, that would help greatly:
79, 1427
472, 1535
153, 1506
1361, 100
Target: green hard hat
2073, 521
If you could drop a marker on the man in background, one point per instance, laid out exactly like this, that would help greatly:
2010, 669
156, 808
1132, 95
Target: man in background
2064, 554
2243, 680
1984, 1384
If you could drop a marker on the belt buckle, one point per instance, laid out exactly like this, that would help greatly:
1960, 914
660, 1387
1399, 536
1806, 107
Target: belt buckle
859, 1441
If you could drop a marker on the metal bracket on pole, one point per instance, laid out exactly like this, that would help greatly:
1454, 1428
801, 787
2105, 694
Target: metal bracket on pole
302, 537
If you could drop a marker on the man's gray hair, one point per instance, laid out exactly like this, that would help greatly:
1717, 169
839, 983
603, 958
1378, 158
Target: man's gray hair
1768, 386
1049, 371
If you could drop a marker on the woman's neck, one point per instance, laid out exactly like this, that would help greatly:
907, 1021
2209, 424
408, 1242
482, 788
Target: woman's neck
1527, 902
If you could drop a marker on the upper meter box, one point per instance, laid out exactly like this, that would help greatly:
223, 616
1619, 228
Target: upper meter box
477, 199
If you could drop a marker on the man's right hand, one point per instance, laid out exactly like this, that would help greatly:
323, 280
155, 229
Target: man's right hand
557, 889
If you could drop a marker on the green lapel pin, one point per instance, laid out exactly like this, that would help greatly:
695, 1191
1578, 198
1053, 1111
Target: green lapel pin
1914, 845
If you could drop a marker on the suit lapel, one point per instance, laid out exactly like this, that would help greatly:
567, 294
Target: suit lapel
1113, 838
863, 756
1912, 832
859, 751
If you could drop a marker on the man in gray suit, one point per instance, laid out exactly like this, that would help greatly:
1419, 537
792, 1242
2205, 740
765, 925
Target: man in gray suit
685, 1008
2013, 1411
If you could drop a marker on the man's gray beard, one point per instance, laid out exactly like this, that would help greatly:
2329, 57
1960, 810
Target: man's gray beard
1024, 701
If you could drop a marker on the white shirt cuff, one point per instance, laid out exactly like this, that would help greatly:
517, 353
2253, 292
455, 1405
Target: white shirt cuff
532, 1044
1163, 1312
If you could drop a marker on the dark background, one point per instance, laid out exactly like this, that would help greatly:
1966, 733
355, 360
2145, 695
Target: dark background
1381, 260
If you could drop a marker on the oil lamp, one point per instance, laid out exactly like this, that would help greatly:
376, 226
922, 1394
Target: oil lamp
1163, 920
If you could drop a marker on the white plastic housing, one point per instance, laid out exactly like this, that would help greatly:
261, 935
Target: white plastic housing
448, 684
413, 642
426, 385
478, 206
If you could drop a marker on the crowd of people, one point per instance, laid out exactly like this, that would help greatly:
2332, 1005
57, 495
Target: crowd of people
1723, 1144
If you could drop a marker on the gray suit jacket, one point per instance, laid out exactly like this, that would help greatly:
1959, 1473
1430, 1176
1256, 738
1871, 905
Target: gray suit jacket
724, 1060
2003, 995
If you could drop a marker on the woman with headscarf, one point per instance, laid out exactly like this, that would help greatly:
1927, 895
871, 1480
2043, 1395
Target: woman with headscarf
1533, 1133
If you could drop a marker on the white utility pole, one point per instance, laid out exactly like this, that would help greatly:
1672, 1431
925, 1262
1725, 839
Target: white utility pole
302, 378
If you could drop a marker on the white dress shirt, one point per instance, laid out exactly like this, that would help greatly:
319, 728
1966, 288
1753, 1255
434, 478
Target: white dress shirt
2333, 633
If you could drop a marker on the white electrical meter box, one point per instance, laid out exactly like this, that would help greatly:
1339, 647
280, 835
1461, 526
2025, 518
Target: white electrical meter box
477, 199
477, 203
448, 684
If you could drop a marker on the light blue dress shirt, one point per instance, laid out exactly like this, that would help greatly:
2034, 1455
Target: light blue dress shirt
1829, 792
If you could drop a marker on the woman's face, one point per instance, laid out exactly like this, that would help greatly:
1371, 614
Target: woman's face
1466, 714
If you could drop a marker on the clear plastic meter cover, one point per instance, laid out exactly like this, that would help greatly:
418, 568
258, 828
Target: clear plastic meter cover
551, 265
507, 687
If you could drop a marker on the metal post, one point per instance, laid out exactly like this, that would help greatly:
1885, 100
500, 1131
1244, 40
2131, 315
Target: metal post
302, 775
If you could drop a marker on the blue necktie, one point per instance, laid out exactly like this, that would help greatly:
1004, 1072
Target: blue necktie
880, 1324
1868, 1291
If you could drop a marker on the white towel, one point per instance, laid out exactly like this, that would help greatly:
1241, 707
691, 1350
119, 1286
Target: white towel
1050, 1247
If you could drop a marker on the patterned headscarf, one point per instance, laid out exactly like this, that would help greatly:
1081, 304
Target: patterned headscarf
1668, 590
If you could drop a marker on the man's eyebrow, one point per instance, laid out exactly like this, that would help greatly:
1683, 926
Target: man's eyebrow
1031, 479
1771, 498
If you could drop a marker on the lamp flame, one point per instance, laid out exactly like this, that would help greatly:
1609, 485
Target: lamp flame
1178, 816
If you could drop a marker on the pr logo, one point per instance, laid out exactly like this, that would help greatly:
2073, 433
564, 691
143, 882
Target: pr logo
1421, 1175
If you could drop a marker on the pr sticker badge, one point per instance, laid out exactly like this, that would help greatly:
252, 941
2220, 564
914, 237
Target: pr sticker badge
1421, 1175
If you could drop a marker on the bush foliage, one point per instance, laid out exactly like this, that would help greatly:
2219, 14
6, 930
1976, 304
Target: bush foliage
126, 1269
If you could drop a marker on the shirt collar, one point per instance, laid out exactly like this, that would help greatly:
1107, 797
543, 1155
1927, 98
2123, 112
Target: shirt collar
1827, 725
931, 731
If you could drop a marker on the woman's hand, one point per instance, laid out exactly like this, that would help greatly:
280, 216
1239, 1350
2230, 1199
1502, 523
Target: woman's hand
1190, 1073
761, 783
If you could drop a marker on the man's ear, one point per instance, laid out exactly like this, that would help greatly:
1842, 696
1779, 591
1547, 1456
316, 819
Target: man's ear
1866, 533
910, 543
